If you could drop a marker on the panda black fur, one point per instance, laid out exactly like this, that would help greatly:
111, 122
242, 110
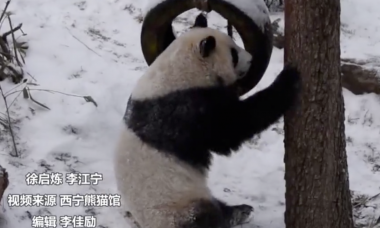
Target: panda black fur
181, 109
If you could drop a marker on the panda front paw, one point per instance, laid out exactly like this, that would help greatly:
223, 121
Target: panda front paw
287, 86
289, 78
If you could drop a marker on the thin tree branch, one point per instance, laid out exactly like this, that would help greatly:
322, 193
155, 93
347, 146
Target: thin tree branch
9, 124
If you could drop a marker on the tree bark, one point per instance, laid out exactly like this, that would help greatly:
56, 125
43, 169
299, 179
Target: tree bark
317, 185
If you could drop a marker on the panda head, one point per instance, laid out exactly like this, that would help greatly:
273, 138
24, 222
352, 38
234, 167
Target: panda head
213, 53
251, 21
201, 57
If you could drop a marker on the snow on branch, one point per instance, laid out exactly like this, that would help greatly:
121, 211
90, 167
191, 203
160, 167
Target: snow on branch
358, 79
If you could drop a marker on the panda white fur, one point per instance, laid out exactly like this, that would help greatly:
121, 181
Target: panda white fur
181, 109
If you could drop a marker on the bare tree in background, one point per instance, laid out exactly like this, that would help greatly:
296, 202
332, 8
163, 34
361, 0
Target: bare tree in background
317, 185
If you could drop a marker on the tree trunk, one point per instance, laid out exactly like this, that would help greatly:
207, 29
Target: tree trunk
317, 185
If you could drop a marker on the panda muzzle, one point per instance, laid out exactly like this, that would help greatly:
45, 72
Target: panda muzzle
257, 36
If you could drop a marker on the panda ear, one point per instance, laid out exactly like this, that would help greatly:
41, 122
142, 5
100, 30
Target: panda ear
206, 46
200, 21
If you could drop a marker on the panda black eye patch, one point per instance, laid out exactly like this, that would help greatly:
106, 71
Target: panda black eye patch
207, 45
235, 57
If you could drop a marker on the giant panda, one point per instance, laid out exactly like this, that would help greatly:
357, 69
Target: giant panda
183, 108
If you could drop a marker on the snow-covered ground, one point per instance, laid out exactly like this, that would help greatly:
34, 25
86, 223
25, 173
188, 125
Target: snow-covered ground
92, 48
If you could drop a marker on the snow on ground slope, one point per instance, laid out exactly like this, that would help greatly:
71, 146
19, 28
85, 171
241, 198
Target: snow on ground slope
92, 48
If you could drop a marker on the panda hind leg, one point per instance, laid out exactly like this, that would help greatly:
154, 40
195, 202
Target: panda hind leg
202, 213
235, 214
